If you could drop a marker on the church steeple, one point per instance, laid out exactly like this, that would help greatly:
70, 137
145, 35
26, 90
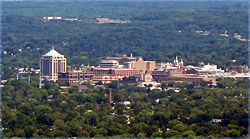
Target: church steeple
176, 62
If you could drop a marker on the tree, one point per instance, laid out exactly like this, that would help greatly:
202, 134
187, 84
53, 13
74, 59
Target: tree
189, 133
84, 134
141, 135
180, 127
163, 86
172, 133
99, 83
234, 133
29, 130
74, 129
60, 133
157, 134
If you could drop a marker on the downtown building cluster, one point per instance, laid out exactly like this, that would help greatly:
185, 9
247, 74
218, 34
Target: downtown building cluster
53, 67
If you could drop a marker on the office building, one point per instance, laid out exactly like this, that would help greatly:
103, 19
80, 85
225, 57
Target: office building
51, 64
109, 63
141, 64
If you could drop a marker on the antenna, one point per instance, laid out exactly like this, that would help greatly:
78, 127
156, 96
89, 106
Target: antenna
53, 47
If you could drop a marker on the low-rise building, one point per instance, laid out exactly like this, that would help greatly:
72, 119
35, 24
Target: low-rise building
141, 65
170, 65
71, 19
101, 71
81, 88
107, 78
104, 20
126, 72
75, 76
120, 57
206, 33
176, 72
50, 18
160, 74
238, 69
109, 63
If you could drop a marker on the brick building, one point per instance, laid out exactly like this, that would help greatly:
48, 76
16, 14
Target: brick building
141, 64
75, 76
107, 78
239, 69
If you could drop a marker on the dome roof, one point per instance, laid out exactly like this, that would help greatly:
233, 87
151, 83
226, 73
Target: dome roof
52, 53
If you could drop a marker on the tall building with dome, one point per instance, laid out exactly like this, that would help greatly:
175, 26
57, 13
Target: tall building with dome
51, 64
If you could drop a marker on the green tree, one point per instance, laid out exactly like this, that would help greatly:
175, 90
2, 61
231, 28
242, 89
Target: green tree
234, 133
29, 130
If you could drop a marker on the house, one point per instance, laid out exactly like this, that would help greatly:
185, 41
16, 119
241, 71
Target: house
206, 33
81, 88
216, 120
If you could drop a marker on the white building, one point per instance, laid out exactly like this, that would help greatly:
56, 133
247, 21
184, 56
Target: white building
109, 64
170, 65
51, 63
52, 18
211, 68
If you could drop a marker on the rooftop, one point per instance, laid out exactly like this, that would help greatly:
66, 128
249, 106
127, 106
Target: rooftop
52, 52
108, 61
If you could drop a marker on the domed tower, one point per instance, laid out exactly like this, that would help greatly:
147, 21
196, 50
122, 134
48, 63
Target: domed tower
51, 64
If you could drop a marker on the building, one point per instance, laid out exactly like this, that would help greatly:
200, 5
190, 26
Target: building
117, 57
56, 18
121, 72
109, 63
108, 75
81, 87
51, 64
157, 74
75, 76
170, 65
126, 72
209, 69
96, 74
120, 57
206, 33
176, 72
141, 65
101, 71
71, 19
104, 20
107, 78
191, 71
239, 69
225, 34
70, 76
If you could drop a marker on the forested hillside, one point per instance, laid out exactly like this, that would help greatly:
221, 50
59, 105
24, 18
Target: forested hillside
158, 31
